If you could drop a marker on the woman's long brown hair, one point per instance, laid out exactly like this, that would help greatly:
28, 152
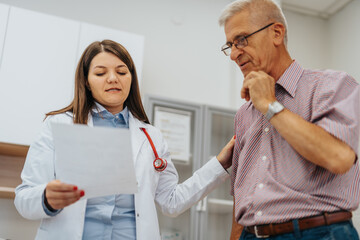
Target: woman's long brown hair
83, 100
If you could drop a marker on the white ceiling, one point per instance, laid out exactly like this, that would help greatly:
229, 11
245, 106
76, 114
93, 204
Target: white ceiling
319, 8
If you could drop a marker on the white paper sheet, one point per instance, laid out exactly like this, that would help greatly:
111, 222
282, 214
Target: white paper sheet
96, 159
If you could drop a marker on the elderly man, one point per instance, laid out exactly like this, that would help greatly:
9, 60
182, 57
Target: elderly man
295, 169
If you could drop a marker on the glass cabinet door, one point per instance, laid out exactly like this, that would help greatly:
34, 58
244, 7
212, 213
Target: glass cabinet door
216, 219
180, 227
176, 118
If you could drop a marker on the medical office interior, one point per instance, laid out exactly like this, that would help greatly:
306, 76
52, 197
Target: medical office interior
176, 49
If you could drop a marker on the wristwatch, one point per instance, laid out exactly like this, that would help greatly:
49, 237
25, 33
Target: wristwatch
274, 108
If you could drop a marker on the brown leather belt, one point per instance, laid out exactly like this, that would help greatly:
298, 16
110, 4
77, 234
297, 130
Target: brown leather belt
264, 231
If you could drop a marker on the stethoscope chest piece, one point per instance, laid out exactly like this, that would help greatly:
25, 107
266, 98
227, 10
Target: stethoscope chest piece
160, 164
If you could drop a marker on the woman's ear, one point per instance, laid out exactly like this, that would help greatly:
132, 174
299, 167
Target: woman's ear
88, 86
279, 34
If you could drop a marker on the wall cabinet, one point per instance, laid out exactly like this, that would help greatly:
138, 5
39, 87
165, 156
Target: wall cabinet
38, 58
4, 13
36, 73
12, 158
210, 129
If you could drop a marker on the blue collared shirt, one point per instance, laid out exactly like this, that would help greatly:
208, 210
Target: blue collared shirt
110, 217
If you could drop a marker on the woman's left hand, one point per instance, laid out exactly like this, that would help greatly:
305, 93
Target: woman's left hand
225, 156
59, 195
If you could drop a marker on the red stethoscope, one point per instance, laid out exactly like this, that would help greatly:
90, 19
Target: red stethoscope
159, 163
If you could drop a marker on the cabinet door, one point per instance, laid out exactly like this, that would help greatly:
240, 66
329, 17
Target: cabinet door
37, 72
4, 13
216, 217
185, 226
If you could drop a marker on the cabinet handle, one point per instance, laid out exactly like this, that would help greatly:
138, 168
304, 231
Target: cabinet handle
204, 205
199, 206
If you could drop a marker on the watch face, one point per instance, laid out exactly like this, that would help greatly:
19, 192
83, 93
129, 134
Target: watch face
277, 107
274, 108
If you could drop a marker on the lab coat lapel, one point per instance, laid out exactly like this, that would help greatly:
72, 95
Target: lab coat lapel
90, 122
137, 135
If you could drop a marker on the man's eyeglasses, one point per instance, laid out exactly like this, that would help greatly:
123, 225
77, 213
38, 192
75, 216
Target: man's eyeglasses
240, 41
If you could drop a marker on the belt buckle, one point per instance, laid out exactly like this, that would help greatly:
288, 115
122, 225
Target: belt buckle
258, 235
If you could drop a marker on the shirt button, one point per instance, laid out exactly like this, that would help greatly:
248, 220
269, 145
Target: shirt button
266, 130
261, 186
259, 213
264, 158
138, 215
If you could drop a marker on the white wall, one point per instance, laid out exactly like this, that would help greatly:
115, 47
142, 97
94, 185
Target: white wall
182, 58
308, 40
344, 40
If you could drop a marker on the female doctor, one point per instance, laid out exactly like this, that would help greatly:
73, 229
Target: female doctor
107, 94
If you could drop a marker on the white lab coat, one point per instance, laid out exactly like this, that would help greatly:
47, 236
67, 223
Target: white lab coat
153, 186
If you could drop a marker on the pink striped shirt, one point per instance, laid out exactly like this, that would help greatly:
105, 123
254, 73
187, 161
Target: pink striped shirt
271, 182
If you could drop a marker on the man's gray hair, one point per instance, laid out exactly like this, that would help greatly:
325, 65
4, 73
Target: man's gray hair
261, 11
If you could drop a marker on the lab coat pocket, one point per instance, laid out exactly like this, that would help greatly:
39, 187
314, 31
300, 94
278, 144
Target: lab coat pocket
44, 225
146, 173
42, 234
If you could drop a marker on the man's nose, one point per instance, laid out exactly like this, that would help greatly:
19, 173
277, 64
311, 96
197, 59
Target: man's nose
235, 52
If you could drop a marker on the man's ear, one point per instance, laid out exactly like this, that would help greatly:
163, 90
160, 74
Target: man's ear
279, 34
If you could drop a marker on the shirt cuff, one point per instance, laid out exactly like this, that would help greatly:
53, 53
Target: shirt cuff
49, 212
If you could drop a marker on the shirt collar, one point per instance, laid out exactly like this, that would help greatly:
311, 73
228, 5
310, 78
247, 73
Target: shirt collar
290, 78
99, 110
